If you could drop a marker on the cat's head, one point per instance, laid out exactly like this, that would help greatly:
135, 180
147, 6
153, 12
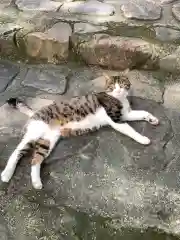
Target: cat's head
118, 85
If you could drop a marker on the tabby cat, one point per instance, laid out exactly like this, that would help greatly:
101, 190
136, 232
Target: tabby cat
77, 116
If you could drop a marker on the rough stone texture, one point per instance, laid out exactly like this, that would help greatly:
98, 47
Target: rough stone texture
37, 5
176, 11
142, 9
53, 45
88, 28
166, 1
92, 7
8, 15
50, 80
115, 52
167, 34
145, 85
7, 72
171, 62
5, 3
91, 182
7, 45
172, 94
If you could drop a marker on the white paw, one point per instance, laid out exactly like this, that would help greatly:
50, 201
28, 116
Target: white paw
37, 184
153, 120
6, 176
144, 140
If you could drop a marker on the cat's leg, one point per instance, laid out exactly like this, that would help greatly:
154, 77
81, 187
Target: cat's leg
125, 129
34, 131
140, 115
20, 151
44, 146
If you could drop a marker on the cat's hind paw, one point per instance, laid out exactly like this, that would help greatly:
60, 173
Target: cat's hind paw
37, 185
6, 176
144, 140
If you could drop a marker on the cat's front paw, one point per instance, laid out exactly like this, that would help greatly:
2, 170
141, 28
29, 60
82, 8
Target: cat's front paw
144, 140
152, 120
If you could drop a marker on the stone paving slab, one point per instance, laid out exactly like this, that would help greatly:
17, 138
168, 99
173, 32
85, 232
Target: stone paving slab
7, 73
52, 81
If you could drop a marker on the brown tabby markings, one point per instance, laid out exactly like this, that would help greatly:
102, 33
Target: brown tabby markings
41, 151
75, 110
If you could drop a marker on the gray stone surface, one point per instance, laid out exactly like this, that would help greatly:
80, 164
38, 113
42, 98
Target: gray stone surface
176, 11
172, 93
37, 5
146, 86
96, 174
8, 71
7, 45
88, 28
92, 7
49, 80
142, 9
166, 1
167, 34
5, 3
52, 45
171, 62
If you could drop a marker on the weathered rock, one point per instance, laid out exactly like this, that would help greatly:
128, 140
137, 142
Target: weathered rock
176, 11
52, 45
172, 95
8, 15
49, 80
171, 63
115, 52
142, 9
166, 1
92, 7
167, 34
7, 45
38, 5
5, 3
145, 86
88, 28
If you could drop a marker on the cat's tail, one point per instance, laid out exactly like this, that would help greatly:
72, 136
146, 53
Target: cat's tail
20, 105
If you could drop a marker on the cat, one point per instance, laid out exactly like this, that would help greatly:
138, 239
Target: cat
77, 116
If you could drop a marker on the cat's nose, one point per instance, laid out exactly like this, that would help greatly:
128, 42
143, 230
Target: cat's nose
117, 86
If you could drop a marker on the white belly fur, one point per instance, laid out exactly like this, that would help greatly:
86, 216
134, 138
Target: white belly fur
92, 120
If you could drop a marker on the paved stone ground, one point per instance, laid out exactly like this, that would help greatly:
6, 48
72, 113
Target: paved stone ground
97, 182
102, 185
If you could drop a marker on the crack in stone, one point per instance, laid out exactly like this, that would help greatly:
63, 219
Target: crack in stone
172, 135
163, 92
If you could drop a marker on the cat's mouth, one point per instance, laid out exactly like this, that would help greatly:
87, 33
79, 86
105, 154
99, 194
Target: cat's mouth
120, 93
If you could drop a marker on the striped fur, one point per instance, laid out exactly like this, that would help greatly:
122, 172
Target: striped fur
77, 116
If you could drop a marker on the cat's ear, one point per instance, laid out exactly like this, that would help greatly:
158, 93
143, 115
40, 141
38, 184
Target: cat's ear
107, 78
126, 71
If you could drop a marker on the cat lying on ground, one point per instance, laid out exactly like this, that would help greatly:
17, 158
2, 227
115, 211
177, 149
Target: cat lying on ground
77, 116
